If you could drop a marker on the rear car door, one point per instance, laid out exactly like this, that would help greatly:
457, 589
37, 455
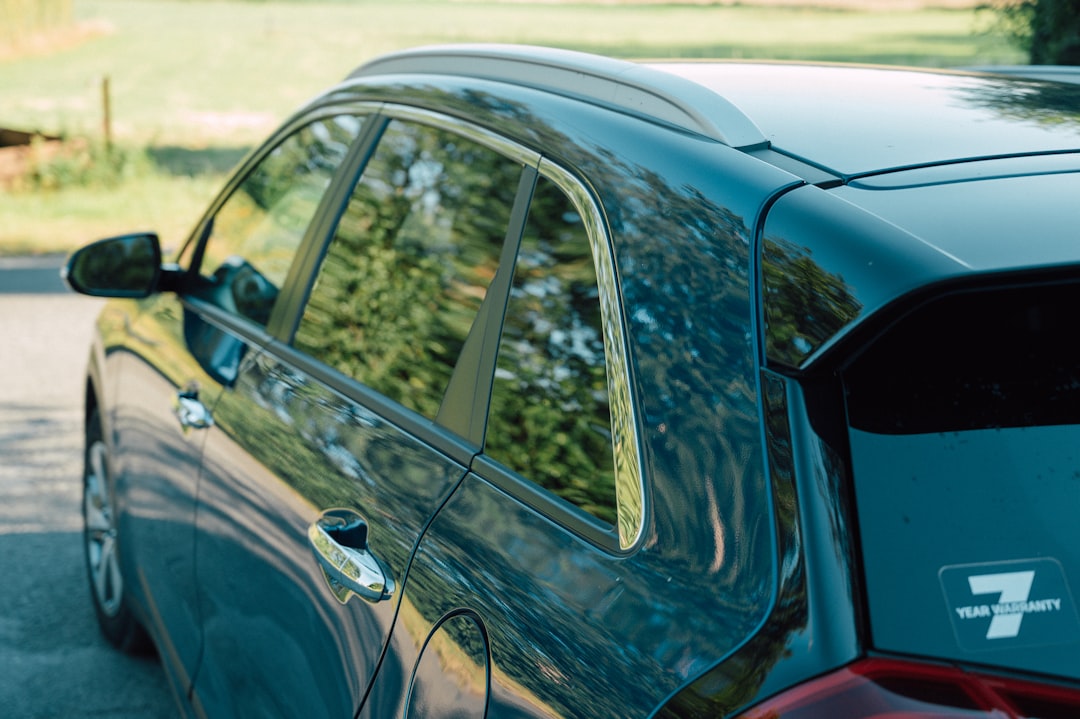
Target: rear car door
496, 588
556, 581
331, 452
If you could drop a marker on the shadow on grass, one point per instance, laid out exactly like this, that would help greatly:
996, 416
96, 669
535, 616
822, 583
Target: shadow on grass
185, 161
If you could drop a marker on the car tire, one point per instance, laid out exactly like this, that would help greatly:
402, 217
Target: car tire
107, 585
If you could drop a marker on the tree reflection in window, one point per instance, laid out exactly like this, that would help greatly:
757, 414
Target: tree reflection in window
404, 277
256, 233
550, 418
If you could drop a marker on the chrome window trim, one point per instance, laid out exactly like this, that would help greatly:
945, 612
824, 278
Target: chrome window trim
307, 115
479, 135
626, 444
365, 108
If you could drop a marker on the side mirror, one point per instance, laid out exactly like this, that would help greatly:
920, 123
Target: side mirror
124, 266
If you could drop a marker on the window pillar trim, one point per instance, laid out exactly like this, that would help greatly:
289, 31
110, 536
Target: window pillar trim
626, 443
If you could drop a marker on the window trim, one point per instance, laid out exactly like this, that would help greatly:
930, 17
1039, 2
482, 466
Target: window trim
472, 390
301, 279
492, 141
625, 439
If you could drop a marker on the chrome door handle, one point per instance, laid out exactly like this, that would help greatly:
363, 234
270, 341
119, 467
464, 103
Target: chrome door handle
190, 412
339, 540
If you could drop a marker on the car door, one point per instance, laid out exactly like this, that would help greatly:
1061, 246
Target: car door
330, 453
181, 348
497, 588
156, 465
185, 347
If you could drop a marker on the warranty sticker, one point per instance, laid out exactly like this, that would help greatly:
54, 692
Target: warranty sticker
1004, 605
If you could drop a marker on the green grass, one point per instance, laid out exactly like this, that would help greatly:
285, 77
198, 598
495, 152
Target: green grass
199, 82
175, 66
47, 222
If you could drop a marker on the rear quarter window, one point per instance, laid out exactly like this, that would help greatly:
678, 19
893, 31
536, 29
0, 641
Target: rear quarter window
550, 418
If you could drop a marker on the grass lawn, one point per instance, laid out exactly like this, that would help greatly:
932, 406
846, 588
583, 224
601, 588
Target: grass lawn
199, 82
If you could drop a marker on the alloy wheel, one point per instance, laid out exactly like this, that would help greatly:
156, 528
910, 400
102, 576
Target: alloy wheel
100, 533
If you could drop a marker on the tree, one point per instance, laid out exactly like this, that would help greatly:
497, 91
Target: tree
1048, 30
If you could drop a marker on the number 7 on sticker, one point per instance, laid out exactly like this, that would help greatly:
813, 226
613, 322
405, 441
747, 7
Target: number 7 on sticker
1010, 587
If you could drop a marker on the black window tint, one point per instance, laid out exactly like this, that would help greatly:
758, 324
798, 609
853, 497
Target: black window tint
550, 419
254, 236
973, 360
410, 264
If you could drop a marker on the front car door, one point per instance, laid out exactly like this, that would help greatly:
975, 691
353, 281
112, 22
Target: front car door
181, 349
185, 347
331, 453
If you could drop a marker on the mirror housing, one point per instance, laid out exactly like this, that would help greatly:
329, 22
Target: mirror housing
123, 266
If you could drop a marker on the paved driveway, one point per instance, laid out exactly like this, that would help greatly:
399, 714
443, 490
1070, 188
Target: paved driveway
53, 661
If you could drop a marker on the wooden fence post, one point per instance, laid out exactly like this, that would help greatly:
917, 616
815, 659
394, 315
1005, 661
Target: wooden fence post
106, 116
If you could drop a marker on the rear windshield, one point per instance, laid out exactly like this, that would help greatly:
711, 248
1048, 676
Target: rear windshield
964, 426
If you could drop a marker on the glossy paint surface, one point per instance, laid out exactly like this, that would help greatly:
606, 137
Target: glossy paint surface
814, 623
976, 222
862, 120
555, 605
285, 448
833, 258
156, 465
827, 264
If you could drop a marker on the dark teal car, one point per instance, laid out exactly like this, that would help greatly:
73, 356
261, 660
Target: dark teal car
512, 382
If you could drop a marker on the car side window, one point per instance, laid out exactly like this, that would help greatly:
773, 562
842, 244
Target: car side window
255, 234
410, 263
550, 417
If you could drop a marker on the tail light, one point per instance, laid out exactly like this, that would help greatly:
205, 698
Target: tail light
891, 689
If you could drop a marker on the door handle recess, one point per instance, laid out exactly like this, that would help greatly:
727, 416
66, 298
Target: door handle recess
339, 540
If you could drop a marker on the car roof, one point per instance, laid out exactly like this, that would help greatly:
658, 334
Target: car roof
856, 121
850, 121
942, 155
997, 223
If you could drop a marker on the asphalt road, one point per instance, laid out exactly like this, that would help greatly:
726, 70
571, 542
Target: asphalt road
53, 661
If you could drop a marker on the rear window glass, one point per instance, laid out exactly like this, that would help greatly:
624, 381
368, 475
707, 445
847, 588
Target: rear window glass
965, 447
975, 360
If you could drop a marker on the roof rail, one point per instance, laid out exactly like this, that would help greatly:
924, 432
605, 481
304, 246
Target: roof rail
616, 84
